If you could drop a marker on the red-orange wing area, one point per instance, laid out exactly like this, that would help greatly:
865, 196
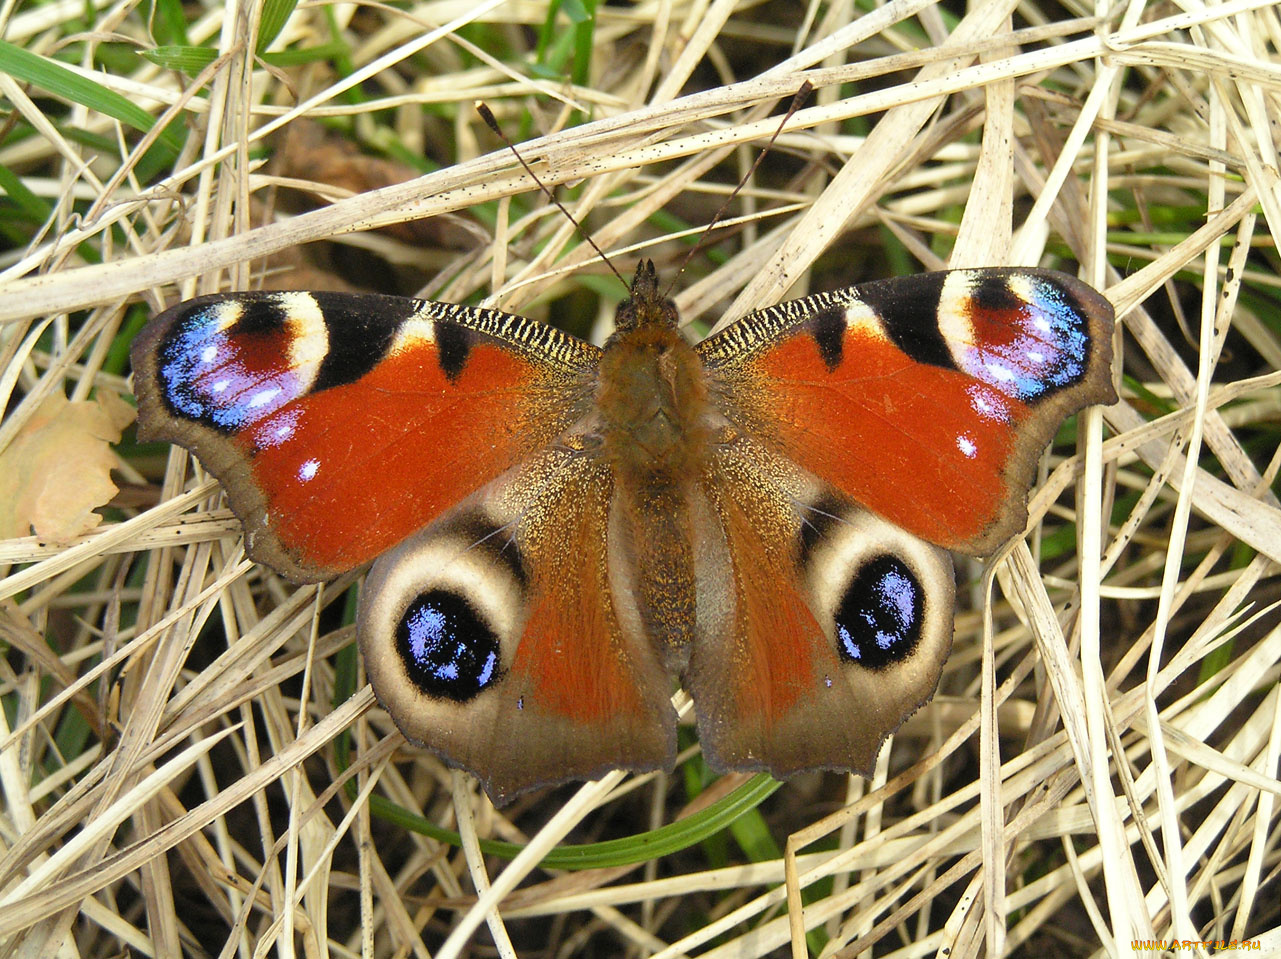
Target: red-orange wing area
376, 459
769, 688
569, 690
898, 436
583, 681
775, 652
572, 651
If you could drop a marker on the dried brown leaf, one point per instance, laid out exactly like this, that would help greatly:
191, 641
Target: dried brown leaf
57, 470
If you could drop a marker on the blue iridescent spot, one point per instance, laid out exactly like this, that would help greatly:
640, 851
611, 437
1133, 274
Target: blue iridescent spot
276, 430
447, 650
879, 619
1048, 348
206, 377
988, 404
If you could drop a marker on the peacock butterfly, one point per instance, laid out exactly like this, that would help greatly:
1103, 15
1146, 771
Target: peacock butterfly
562, 528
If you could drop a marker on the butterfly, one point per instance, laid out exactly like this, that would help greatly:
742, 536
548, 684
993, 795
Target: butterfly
561, 529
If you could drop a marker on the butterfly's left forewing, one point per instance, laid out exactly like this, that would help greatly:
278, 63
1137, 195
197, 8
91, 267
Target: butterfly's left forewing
927, 398
340, 423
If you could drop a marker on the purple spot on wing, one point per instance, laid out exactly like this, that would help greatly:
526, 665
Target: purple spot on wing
276, 430
224, 379
1045, 346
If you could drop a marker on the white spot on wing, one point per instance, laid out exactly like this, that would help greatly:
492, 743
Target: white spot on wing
999, 372
1024, 286
227, 314
274, 430
965, 444
988, 404
862, 320
308, 470
263, 397
309, 337
414, 331
954, 323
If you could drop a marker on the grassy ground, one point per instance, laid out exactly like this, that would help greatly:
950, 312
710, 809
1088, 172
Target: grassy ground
190, 761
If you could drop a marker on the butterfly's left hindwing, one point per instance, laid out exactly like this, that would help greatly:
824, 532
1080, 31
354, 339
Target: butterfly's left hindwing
493, 636
340, 423
927, 398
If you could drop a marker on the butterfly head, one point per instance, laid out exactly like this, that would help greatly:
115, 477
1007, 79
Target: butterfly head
646, 306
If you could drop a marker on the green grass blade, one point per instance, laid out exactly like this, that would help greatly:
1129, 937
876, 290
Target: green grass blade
191, 60
56, 80
185, 59
30, 204
641, 847
167, 22
275, 14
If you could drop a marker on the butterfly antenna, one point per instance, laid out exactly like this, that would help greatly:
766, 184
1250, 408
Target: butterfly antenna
798, 98
487, 115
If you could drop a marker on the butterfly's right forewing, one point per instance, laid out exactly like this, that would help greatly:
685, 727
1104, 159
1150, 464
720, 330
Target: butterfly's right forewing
927, 398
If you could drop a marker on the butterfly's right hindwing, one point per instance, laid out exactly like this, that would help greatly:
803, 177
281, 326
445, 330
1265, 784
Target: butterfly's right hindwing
834, 627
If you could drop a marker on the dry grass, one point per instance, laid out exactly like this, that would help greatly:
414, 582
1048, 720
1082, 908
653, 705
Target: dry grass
1101, 763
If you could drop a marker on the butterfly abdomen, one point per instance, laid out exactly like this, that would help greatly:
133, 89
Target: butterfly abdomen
653, 563
653, 410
